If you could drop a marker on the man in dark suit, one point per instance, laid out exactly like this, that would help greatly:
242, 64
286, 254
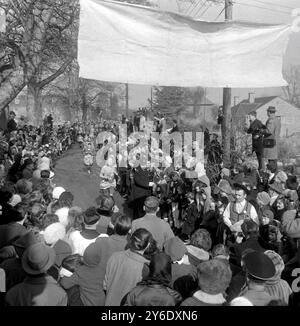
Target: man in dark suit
140, 190
11, 124
256, 128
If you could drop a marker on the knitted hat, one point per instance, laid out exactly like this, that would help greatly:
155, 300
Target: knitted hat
214, 276
62, 214
264, 198
278, 263
175, 248
57, 191
54, 232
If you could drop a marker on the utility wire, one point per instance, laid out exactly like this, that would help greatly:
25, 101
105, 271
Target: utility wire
254, 6
202, 4
206, 9
272, 4
220, 13
196, 13
191, 5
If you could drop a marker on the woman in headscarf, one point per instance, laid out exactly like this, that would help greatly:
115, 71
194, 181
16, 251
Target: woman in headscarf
155, 289
275, 286
125, 269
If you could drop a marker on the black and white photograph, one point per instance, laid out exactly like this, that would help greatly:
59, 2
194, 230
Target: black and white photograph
149, 156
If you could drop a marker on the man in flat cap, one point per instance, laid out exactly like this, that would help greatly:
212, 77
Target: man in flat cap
160, 229
273, 126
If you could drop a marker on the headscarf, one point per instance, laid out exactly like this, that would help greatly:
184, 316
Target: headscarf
160, 269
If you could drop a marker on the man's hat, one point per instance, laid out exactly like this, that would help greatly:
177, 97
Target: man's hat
152, 202
253, 113
241, 186
91, 216
271, 109
259, 265
38, 258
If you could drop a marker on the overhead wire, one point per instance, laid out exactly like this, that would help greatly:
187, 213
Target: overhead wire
220, 13
189, 8
205, 10
197, 7
272, 4
264, 8
196, 13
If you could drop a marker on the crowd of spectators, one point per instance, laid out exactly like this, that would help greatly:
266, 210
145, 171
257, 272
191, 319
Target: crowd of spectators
188, 242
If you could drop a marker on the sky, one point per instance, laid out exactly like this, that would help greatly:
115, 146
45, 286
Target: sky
267, 11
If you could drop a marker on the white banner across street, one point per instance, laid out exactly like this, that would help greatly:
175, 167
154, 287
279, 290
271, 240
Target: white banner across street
126, 43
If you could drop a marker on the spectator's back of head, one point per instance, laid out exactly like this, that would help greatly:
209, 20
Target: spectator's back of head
160, 268
23, 186
250, 228
201, 239
22, 209
122, 225
140, 239
151, 204
66, 199
71, 262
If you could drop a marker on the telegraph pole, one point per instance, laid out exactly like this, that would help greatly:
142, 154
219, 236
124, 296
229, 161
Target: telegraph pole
226, 122
127, 101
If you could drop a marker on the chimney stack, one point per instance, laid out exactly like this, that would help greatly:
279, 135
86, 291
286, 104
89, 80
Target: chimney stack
251, 97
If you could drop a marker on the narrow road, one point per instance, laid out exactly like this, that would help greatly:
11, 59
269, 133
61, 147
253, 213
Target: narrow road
71, 174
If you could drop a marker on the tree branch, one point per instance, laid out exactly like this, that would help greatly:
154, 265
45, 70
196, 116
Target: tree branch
58, 72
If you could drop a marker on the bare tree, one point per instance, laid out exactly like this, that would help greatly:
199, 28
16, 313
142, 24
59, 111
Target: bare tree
36, 46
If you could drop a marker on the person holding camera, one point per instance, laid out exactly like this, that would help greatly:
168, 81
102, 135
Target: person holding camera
256, 130
271, 139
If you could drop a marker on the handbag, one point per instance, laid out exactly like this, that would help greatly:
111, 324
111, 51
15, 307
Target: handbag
269, 142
